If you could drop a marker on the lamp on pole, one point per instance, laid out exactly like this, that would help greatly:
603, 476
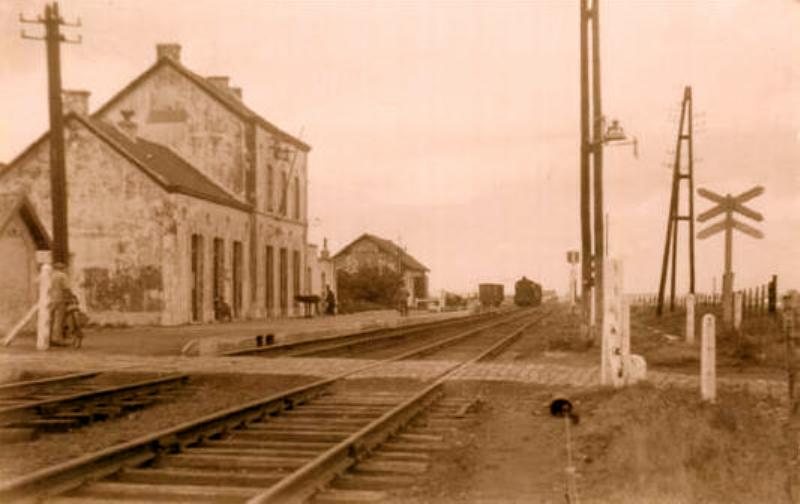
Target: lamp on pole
591, 169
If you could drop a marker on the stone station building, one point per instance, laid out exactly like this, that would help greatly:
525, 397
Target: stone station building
178, 195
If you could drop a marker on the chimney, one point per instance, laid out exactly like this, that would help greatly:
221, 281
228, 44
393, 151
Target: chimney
172, 51
128, 125
75, 101
220, 82
324, 254
237, 92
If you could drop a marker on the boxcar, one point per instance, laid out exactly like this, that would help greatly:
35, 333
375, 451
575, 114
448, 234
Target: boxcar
490, 294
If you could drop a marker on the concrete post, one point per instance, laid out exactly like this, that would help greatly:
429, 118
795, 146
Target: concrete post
738, 300
611, 360
690, 303
43, 319
708, 360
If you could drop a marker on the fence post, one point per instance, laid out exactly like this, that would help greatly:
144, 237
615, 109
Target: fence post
791, 310
708, 360
737, 311
690, 318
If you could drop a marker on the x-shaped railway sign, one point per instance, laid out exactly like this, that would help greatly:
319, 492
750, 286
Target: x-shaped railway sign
728, 204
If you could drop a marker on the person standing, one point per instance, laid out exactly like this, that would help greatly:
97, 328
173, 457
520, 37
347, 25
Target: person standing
402, 299
59, 295
330, 301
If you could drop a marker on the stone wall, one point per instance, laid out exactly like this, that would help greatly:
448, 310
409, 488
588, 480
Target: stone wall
117, 217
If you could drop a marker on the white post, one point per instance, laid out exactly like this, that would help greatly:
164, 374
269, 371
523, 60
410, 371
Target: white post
611, 360
690, 302
737, 310
708, 360
43, 322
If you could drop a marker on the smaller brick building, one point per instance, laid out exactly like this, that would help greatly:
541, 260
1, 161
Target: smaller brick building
370, 250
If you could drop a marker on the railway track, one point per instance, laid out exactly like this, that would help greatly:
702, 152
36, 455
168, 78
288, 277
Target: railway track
356, 340
66, 402
283, 448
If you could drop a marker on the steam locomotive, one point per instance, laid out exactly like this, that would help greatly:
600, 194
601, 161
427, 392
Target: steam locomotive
527, 293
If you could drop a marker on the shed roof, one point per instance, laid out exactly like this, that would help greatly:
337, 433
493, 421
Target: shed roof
388, 247
16, 203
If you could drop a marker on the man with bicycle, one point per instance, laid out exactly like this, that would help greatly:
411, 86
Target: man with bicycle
59, 296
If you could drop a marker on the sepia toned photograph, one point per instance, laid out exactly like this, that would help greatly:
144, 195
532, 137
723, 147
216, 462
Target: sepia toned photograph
400, 251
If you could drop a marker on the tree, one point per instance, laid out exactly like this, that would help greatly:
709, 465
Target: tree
369, 288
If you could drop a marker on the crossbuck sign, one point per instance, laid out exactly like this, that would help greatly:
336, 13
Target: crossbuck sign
728, 205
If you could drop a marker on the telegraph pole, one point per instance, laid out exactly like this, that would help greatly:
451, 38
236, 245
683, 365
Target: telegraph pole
685, 129
586, 230
597, 149
52, 22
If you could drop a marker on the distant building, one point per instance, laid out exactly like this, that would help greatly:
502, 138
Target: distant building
178, 195
370, 250
22, 235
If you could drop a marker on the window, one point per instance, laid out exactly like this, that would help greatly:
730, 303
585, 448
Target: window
269, 284
284, 279
219, 270
295, 276
237, 278
197, 277
270, 187
284, 193
297, 198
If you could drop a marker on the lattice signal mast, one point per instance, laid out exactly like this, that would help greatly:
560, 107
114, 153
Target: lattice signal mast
678, 175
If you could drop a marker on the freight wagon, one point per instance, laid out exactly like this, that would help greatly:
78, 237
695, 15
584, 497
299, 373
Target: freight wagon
490, 294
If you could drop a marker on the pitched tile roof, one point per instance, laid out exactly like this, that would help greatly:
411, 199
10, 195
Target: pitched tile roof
165, 166
388, 247
159, 162
228, 100
10, 204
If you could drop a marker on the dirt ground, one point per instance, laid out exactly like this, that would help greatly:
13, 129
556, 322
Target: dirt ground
631, 446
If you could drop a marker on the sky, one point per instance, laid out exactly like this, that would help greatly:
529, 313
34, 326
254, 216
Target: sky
452, 127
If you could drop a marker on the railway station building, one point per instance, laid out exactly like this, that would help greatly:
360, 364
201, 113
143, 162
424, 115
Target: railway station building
178, 196
371, 250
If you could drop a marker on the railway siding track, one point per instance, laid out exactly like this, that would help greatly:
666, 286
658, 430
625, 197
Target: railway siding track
72, 402
279, 449
369, 337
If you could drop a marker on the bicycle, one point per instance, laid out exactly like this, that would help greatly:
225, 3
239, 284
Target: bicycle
74, 320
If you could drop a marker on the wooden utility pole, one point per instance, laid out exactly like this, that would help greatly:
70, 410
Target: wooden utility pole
586, 223
52, 22
597, 149
671, 242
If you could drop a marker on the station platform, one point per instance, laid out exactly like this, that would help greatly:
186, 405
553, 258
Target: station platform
213, 339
